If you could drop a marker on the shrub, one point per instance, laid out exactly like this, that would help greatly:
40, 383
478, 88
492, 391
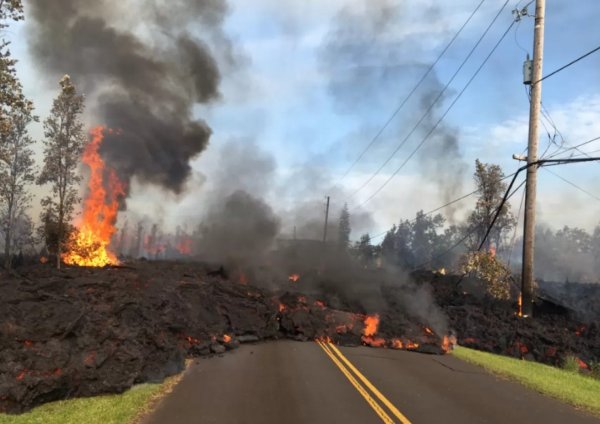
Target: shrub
489, 269
571, 364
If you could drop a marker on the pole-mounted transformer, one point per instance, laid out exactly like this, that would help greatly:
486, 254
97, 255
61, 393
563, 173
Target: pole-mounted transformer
527, 71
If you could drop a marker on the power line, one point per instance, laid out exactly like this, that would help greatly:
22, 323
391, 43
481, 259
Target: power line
514, 237
474, 229
568, 64
427, 72
465, 196
442, 117
574, 185
435, 101
574, 147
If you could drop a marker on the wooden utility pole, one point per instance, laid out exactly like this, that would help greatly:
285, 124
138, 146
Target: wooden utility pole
527, 276
326, 221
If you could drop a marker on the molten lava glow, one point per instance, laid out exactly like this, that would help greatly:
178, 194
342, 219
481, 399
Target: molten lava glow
294, 278
411, 345
373, 341
184, 246
448, 343
319, 304
192, 340
371, 325
397, 344
226, 338
89, 245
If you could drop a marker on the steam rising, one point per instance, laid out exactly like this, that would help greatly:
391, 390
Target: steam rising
144, 86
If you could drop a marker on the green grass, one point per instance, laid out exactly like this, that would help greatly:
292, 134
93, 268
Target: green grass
111, 409
576, 389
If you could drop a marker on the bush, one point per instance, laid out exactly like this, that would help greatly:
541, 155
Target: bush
489, 269
571, 364
595, 370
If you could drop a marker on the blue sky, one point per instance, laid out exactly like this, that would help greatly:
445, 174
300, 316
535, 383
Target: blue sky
282, 99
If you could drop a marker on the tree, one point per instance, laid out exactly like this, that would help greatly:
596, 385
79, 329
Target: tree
365, 249
344, 228
16, 158
491, 190
595, 247
16, 174
10, 93
425, 237
63, 146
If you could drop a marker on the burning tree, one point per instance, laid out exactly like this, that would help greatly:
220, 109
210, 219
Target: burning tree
88, 245
63, 145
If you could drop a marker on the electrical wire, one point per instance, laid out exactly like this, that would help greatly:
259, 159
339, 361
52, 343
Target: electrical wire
424, 140
397, 110
567, 65
574, 147
435, 101
514, 237
473, 230
573, 184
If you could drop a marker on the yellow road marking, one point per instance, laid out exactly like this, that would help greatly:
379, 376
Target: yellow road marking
373, 389
378, 410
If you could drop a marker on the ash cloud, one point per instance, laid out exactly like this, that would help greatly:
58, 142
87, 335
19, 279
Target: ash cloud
141, 79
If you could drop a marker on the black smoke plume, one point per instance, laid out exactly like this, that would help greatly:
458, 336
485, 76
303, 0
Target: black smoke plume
142, 71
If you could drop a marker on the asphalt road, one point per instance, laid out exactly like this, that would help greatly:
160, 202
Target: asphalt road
293, 382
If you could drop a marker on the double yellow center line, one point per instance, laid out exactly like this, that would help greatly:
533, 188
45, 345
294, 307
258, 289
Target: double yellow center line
376, 400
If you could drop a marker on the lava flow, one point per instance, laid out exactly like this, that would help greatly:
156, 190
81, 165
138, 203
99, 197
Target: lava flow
89, 245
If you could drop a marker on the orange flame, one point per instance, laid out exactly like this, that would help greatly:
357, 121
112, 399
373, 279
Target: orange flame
520, 303
371, 325
448, 343
184, 246
226, 338
90, 244
294, 278
397, 344
411, 345
243, 279
43, 259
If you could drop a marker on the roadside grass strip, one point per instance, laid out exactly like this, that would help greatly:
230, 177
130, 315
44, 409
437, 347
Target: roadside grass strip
126, 408
576, 389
